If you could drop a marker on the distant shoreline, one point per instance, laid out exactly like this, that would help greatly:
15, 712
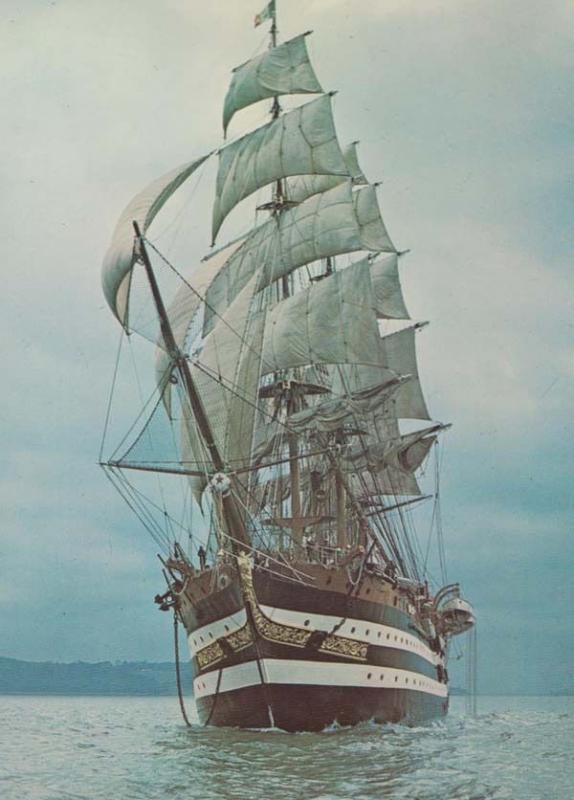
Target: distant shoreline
129, 679
91, 679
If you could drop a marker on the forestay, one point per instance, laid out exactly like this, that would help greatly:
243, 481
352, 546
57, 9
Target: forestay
120, 258
301, 142
285, 69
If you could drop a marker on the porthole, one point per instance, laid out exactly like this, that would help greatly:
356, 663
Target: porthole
381, 677
396, 678
388, 635
210, 635
353, 629
306, 622
379, 635
367, 632
227, 627
201, 638
369, 676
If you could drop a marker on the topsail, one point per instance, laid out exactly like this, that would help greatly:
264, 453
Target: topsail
285, 69
301, 142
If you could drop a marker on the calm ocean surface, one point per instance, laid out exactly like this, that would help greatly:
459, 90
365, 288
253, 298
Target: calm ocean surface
63, 748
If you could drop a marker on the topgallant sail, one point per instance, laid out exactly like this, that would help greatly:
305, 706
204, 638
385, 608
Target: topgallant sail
288, 398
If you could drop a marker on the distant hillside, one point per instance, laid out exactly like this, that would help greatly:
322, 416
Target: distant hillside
81, 678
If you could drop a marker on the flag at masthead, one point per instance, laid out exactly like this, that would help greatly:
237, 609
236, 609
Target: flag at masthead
267, 13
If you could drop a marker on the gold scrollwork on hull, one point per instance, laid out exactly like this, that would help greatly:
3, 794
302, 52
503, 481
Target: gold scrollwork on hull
220, 648
272, 631
209, 655
341, 646
288, 634
241, 638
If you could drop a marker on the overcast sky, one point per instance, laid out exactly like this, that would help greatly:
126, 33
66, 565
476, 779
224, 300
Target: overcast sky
464, 109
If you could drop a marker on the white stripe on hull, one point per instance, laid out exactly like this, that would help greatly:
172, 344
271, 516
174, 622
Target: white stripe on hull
357, 629
315, 673
208, 633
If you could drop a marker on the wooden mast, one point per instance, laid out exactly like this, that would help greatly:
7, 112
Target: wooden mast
277, 203
231, 512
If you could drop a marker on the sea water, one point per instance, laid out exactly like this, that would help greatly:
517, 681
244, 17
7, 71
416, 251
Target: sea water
72, 748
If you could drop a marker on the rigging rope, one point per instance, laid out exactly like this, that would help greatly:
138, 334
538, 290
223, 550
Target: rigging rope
111, 395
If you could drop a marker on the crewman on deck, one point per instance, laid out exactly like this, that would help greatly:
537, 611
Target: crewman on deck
202, 555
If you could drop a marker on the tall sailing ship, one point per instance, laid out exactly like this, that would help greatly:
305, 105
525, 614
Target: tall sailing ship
288, 401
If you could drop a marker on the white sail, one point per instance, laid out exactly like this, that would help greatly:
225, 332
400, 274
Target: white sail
183, 310
285, 69
301, 142
226, 376
334, 321
120, 258
301, 187
325, 225
400, 356
373, 231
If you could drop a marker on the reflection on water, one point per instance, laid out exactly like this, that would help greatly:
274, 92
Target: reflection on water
122, 748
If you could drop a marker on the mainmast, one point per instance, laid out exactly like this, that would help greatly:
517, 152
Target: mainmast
231, 513
277, 206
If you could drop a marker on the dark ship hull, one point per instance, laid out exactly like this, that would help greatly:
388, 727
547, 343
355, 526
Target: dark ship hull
269, 652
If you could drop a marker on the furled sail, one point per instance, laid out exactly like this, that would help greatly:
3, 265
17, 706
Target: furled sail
404, 453
331, 414
301, 187
285, 69
301, 142
358, 409
334, 321
387, 468
120, 258
338, 221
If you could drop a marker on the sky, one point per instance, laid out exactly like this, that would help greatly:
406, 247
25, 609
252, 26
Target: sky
464, 110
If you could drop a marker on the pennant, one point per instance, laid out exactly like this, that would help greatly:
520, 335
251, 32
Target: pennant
267, 13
